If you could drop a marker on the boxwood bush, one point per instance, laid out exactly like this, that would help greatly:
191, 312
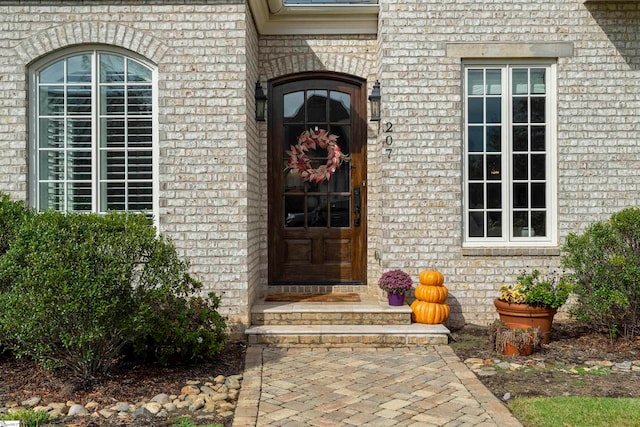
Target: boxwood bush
604, 262
83, 287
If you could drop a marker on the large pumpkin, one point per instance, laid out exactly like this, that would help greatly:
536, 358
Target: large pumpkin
431, 278
437, 294
430, 313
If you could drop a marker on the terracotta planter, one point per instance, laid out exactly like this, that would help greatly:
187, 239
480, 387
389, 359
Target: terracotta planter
512, 350
524, 316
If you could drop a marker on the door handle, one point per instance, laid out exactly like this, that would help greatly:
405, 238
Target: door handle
356, 207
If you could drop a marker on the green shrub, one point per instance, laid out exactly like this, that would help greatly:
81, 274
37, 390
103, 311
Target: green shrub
605, 267
27, 417
84, 286
12, 215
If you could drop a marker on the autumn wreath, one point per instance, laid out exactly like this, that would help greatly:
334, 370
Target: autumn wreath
300, 162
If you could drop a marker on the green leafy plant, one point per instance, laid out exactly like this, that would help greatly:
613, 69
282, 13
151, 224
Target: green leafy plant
27, 417
540, 290
84, 287
604, 265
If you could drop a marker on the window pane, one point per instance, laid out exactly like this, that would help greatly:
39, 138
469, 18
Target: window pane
112, 162
293, 107
475, 82
318, 211
111, 100
113, 133
51, 165
140, 133
537, 110
520, 84
494, 138
51, 100
476, 138
520, 195
494, 224
494, 82
136, 72
539, 223
538, 166
79, 196
113, 196
476, 224
51, 196
538, 81
139, 165
494, 196
538, 138
538, 195
79, 68
520, 110
494, 110
139, 100
494, 168
521, 224
51, 133
476, 196
54, 73
520, 166
79, 100
78, 133
340, 106
140, 196
476, 110
111, 68
79, 165
520, 138
476, 167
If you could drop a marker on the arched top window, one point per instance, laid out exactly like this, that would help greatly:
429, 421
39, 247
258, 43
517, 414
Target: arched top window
93, 133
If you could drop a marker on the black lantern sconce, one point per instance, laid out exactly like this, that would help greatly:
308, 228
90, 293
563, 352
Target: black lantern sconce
374, 102
261, 102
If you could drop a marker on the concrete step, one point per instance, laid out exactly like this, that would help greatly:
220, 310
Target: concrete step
348, 335
367, 312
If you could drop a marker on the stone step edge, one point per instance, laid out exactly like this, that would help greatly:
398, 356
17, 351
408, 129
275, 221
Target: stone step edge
329, 308
412, 329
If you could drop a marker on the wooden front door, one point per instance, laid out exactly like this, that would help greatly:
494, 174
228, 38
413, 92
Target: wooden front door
317, 231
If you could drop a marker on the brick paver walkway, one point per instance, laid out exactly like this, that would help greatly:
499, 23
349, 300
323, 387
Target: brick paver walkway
417, 386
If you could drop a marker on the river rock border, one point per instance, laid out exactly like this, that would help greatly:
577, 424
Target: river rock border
197, 399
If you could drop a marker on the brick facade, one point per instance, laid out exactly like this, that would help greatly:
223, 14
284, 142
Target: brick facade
213, 156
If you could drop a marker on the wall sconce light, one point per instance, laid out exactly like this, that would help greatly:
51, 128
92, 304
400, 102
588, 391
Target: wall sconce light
261, 102
374, 102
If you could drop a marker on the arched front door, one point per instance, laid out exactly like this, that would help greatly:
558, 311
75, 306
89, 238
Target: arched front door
317, 231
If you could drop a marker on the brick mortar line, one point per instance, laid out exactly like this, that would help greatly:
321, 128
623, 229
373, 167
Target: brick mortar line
496, 410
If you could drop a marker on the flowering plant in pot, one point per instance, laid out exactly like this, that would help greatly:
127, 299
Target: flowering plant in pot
395, 283
533, 301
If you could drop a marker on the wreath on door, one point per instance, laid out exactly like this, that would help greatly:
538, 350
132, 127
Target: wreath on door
300, 163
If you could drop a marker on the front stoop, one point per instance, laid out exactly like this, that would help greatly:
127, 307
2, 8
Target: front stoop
365, 324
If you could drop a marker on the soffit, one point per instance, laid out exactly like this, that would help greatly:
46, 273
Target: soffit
274, 17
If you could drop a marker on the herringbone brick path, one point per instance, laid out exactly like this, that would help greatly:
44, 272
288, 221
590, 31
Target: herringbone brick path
414, 386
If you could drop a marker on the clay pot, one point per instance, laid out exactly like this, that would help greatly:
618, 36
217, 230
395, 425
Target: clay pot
524, 316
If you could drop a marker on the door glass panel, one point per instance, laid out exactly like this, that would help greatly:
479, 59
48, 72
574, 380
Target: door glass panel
294, 211
318, 211
340, 106
340, 212
317, 105
294, 107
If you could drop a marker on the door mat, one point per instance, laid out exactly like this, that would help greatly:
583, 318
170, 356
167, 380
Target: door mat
337, 297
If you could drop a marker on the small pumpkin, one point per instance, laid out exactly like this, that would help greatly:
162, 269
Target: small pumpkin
437, 294
431, 278
430, 313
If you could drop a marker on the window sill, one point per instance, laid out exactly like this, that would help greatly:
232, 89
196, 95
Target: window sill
530, 252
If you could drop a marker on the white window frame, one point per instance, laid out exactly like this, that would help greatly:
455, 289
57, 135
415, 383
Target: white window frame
550, 240
34, 116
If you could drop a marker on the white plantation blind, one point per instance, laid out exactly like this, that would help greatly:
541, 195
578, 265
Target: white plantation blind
95, 134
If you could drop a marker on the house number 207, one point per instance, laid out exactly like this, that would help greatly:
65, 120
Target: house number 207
388, 140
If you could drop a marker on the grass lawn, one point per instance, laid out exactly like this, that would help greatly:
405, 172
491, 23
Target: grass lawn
577, 411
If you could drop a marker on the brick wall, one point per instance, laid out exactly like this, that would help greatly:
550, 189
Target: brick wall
598, 107
200, 51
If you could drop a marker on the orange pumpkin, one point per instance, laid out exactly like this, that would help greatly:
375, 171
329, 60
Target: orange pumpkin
431, 278
430, 313
437, 294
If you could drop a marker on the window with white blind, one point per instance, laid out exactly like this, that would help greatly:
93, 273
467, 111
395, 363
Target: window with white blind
93, 133
509, 149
